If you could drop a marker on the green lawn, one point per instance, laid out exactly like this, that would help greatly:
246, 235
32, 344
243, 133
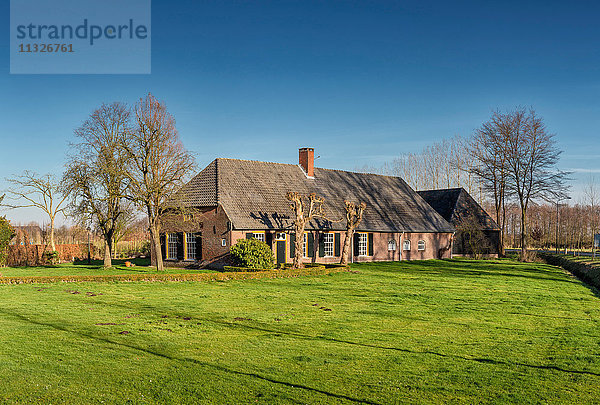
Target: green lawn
142, 266
417, 332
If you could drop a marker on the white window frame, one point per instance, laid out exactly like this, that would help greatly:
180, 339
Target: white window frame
363, 244
406, 245
305, 245
328, 242
171, 246
190, 245
259, 236
421, 243
392, 245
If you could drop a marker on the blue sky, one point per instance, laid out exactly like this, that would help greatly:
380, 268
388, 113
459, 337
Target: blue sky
361, 82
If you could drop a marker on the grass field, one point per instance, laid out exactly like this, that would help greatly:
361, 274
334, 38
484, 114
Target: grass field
95, 268
427, 332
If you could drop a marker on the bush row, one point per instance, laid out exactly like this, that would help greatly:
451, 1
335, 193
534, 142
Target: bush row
225, 276
286, 267
584, 272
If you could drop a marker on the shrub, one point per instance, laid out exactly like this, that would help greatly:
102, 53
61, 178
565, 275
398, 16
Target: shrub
7, 232
253, 254
51, 257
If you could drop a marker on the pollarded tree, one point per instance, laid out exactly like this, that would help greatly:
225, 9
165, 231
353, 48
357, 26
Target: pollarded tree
354, 215
305, 209
158, 165
96, 171
38, 191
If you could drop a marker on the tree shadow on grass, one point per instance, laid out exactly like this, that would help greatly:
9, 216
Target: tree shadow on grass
462, 268
298, 335
187, 359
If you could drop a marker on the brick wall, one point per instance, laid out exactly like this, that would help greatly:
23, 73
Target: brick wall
437, 245
213, 223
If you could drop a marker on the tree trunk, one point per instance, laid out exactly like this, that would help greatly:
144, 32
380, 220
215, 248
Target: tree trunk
107, 255
156, 248
108, 250
346, 248
52, 245
298, 246
523, 235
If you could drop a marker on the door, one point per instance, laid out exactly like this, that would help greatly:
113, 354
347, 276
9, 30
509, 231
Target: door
280, 247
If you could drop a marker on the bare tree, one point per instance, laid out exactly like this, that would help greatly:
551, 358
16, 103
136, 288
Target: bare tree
591, 194
158, 165
487, 148
38, 191
354, 214
305, 209
531, 159
97, 171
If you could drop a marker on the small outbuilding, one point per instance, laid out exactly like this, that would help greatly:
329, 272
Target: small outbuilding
476, 232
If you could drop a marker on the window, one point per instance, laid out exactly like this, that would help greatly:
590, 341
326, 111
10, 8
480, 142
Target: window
328, 241
280, 236
421, 245
363, 244
172, 246
304, 246
190, 241
392, 245
406, 245
223, 242
259, 236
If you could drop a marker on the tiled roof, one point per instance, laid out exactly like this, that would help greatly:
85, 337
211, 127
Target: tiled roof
253, 193
201, 191
455, 205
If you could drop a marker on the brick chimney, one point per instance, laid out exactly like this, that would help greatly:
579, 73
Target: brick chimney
307, 161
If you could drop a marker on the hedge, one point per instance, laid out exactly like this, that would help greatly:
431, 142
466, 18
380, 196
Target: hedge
287, 267
225, 276
584, 272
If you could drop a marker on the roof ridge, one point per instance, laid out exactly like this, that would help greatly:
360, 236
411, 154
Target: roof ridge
217, 193
456, 202
320, 168
442, 189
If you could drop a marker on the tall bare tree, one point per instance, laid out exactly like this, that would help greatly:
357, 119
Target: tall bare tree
38, 191
305, 209
531, 159
97, 170
487, 149
354, 214
158, 164
591, 194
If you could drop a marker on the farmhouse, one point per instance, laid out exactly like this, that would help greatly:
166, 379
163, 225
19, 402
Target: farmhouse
476, 231
233, 199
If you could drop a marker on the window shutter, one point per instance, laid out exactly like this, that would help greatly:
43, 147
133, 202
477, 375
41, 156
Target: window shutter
355, 250
370, 247
199, 246
321, 244
269, 239
249, 235
311, 245
292, 245
336, 244
163, 245
179, 246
